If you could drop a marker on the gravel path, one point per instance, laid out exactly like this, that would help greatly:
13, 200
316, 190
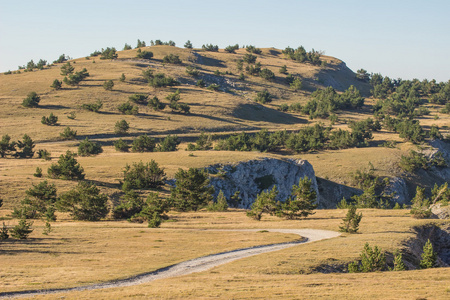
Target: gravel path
191, 266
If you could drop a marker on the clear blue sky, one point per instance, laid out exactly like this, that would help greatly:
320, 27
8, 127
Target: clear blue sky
397, 38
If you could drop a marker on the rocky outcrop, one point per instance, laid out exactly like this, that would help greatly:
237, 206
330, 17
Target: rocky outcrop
253, 176
397, 186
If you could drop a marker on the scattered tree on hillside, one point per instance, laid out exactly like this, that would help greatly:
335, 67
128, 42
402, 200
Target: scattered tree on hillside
188, 45
57, 84
428, 256
87, 148
67, 69
302, 201
25, 147
127, 47
172, 59
351, 221
265, 203
68, 134
143, 143
108, 85
121, 127
66, 168
22, 230
372, 260
32, 100
6, 146
142, 176
39, 201
50, 120
109, 53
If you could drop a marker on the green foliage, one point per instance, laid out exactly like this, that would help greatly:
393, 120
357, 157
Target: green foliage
283, 69
249, 58
416, 160
155, 104
297, 84
372, 260
122, 78
121, 146
148, 75
200, 83
109, 53
130, 205
265, 203
140, 44
440, 194
22, 230
87, 148
62, 58
213, 87
188, 45
43, 153
95, 107
172, 59
232, 49
138, 98
7, 146
192, 71
174, 96
428, 256
25, 147
72, 115
398, 262
153, 211
57, 84
210, 47
68, 134
144, 54
121, 127
39, 198
32, 100
95, 53
192, 190
204, 142
141, 176
127, 47
50, 120
240, 64
127, 108
67, 69
66, 168
160, 80
300, 55
84, 202
434, 133
169, 143
263, 97
75, 79
108, 85
254, 70
38, 172
4, 232
253, 49
267, 74
143, 143
219, 205
420, 208
302, 201
351, 221
362, 75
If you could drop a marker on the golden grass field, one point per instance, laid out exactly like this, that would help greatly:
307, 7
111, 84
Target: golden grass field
78, 253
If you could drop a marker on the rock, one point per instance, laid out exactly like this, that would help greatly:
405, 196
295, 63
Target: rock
253, 176
398, 186
439, 211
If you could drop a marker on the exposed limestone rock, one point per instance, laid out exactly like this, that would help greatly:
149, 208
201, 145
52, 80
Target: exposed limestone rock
253, 176
439, 211
398, 186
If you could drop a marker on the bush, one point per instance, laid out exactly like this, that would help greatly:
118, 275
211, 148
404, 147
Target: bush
50, 120
128, 109
32, 100
62, 58
253, 49
4, 232
127, 47
108, 85
138, 98
192, 190
43, 153
188, 45
283, 69
122, 77
155, 104
141, 176
22, 230
372, 260
143, 143
302, 201
121, 127
351, 221
84, 202
296, 85
68, 134
160, 80
232, 49
25, 147
267, 74
87, 148
130, 205
109, 53
67, 69
121, 146
201, 83
220, 204
140, 44
192, 71
249, 58
263, 97
66, 168
153, 211
210, 47
172, 59
204, 142
38, 172
420, 208
265, 203
95, 107
6, 146
37, 202
169, 143
144, 54
428, 256
213, 87
56, 84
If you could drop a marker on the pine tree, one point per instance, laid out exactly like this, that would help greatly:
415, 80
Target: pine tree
67, 69
303, 201
4, 232
220, 204
122, 77
398, 262
22, 230
429, 257
56, 84
351, 221
188, 45
265, 203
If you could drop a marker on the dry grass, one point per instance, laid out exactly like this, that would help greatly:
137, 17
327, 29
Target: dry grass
78, 253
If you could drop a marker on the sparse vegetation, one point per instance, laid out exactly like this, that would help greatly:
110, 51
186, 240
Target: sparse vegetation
143, 176
66, 168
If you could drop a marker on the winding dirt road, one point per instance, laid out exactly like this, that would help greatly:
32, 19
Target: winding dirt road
192, 266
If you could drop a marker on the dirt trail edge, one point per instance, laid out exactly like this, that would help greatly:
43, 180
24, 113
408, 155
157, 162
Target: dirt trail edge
192, 266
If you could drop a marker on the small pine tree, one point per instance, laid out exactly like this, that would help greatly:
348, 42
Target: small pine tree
372, 260
429, 257
66, 168
108, 85
22, 230
25, 147
121, 127
68, 134
38, 172
32, 100
122, 77
398, 262
220, 204
121, 146
188, 45
4, 232
56, 84
302, 203
351, 221
265, 203
67, 69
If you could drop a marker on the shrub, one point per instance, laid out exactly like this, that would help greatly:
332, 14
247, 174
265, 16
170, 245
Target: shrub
204, 142
296, 85
201, 83
267, 74
434, 133
56, 84
240, 64
128, 109
253, 49
122, 77
428, 256
143, 143
148, 75
108, 85
144, 54
302, 201
22, 230
62, 58
169, 143
84, 202
38, 172
121, 146
232, 49
153, 211
130, 205
67, 69
372, 260
351, 221
138, 98
140, 44
263, 97
265, 203
121, 127
188, 45
254, 70
32, 100
25, 147
50, 120
68, 134
192, 190
420, 208
66, 168
210, 47
219, 205
192, 71
6, 145
283, 69
172, 59
398, 262
141, 176
160, 80
39, 198
127, 47
4, 232
249, 58
95, 107
174, 96
87, 148
43, 153
155, 104
213, 87
109, 53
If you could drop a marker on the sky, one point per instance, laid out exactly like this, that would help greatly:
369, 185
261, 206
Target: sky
397, 38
